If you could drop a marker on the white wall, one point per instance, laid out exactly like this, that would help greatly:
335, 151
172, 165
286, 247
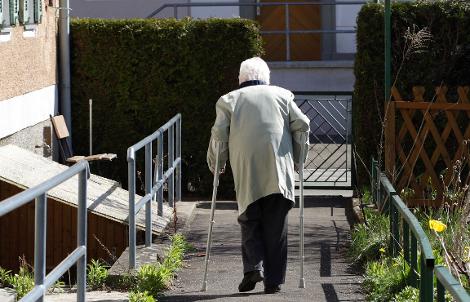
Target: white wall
313, 76
123, 8
215, 11
27, 110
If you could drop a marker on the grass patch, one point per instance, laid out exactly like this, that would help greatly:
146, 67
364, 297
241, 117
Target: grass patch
22, 282
369, 239
141, 297
97, 274
155, 278
385, 278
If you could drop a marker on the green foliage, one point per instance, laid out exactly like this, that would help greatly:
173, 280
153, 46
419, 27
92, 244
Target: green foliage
154, 278
445, 60
140, 73
97, 274
385, 278
408, 294
368, 239
4, 277
141, 297
23, 282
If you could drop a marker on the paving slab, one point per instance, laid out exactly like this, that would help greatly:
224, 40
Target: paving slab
329, 277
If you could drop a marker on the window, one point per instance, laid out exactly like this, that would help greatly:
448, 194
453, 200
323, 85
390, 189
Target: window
30, 11
8, 13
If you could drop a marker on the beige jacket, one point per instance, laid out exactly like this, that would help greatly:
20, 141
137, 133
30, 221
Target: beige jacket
262, 125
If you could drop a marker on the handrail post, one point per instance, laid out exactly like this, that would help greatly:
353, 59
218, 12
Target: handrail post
406, 241
178, 155
82, 234
40, 241
394, 228
132, 234
414, 261
441, 292
171, 160
160, 174
427, 286
148, 190
373, 184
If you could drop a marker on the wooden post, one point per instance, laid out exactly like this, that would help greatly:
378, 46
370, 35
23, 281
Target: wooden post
389, 132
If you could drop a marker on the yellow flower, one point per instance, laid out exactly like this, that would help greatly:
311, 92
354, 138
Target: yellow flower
466, 254
382, 250
437, 226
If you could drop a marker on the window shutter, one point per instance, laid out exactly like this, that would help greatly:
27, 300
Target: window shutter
1, 14
37, 11
14, 9
25, 12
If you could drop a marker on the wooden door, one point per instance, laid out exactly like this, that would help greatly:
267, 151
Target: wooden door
303, 47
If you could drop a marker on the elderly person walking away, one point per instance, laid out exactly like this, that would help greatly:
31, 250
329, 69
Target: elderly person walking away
260, 127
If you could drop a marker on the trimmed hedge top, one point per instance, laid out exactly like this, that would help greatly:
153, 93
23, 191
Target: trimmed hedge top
141, 72
445, 60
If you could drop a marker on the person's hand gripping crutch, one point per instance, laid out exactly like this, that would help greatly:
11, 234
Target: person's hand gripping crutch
303, 140
216, 172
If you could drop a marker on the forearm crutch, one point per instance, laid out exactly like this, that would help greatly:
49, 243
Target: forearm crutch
211, 223
303, 140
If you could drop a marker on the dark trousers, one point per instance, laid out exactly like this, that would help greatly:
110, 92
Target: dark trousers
264, 237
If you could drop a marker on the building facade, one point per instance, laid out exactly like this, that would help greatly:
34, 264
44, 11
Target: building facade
28, 73
309, 47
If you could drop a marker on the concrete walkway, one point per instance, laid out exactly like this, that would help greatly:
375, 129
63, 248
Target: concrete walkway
328, 275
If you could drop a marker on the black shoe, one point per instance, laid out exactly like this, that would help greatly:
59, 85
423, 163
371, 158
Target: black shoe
272, 289
249, 281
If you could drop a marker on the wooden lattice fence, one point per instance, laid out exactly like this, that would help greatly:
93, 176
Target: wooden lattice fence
425, 141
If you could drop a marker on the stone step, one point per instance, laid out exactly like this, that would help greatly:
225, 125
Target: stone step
7, 295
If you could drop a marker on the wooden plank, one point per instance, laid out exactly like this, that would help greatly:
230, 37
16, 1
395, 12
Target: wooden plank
440, 146
432, 106
420, 143
60, 127
105, 197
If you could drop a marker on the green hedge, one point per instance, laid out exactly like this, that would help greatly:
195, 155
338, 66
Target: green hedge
445, 61
140, 73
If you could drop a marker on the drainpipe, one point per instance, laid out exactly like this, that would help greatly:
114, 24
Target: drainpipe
64, 62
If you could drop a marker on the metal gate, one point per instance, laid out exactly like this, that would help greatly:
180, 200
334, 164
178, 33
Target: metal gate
329, 156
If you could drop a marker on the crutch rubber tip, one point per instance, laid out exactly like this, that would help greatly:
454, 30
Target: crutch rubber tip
302, 283
204, 286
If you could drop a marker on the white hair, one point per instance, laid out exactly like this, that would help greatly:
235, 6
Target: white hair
254, 69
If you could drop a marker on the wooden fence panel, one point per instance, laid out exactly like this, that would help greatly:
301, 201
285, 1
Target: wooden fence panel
423, 137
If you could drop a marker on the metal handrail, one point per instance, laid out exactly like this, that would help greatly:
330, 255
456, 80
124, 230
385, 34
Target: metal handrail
287, 31
238, 4
154, 181
407, 242
397, 209
445, 281
41, 281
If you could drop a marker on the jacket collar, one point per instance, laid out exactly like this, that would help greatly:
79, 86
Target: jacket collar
252, 83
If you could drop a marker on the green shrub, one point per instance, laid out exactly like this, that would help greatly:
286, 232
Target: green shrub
408, 294
368, 239
141, 297
97, 274
446, 60
4, 277
23, 282
154, 278
385, 278
140, 73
